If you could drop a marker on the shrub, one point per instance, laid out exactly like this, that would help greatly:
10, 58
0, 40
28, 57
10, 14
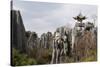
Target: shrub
19, 59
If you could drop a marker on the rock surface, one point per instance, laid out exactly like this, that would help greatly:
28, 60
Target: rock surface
18, 38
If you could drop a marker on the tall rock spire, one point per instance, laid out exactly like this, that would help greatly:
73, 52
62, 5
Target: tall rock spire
11, 4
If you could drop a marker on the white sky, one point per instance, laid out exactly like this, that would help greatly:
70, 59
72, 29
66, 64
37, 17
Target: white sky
42, 17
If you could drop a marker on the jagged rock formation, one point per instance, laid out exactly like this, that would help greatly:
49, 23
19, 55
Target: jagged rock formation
18, 38
32, 40
61, 44
43, 40
66, 32
46, 40
49, 40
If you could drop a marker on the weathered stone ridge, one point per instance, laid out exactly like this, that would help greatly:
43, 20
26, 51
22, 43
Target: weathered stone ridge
17, 31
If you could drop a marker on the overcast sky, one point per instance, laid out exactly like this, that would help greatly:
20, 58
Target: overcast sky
42, 17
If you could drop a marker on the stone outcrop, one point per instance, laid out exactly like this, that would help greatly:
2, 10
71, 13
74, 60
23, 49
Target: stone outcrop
18, 38
46, 40
61, 44
32, 39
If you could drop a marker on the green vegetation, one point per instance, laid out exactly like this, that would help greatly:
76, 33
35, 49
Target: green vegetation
41, 56
19, 59
45, 57
92, 56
